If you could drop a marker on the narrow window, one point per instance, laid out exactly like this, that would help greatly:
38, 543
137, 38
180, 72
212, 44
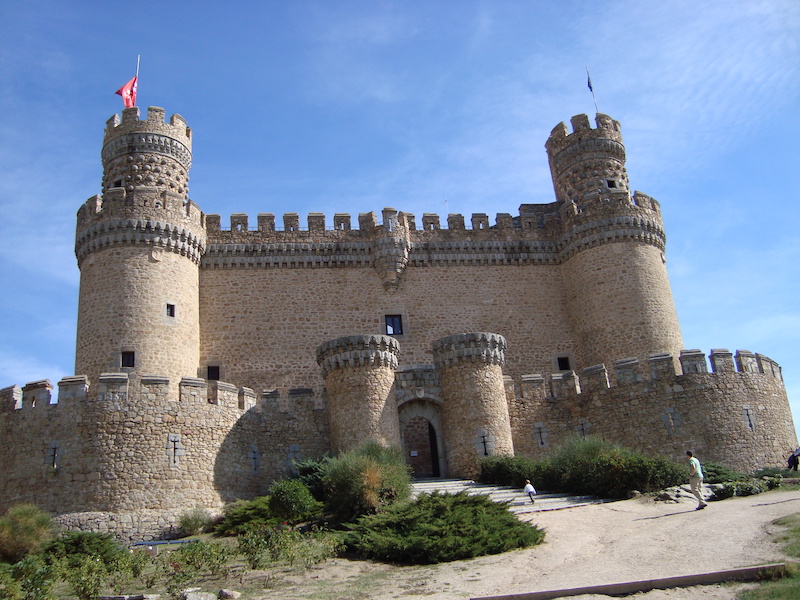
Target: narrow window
563, 363
213, 373
611, 183
394, 325
170, 310
128, 359
118, 183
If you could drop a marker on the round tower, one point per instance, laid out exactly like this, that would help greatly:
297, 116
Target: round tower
138, 248
359, 372
612, 249
475, 411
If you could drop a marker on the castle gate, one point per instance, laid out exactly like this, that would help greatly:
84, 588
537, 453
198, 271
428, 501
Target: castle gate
421, 437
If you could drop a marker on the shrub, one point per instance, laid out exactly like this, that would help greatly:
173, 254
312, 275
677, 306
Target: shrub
203, 557
509, 470
72, 547
749, 487
254, 545
311, 472
194, 521
586, 465
10, 588
24, 529
291, 500
36, 578
440, 528
717, 473
87, 576
364, 480
242, 514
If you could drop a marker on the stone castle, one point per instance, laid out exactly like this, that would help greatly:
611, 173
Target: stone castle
211, 358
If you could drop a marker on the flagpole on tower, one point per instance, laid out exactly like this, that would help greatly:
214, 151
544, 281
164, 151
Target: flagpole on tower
591, 89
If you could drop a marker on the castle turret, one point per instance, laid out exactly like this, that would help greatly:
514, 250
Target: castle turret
616, 288
359, 372
138, 248
475, 409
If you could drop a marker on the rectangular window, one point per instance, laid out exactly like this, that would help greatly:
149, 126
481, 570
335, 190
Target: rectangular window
128, 359
213, 373
563, 363
394, 325
170, 310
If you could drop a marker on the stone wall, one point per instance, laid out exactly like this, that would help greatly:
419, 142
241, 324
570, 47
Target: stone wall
128, 447
740, 418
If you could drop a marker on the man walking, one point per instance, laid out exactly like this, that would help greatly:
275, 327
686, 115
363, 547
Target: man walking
696, 479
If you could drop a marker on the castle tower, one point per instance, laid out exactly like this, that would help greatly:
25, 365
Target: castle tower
138, 248
475, 410
359, 372
612, 249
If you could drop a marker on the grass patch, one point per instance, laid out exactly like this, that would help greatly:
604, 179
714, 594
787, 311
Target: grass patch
789, 587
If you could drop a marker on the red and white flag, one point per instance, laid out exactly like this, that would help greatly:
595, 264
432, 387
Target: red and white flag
128, 92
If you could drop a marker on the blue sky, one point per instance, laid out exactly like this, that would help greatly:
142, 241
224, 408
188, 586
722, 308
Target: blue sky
438, 106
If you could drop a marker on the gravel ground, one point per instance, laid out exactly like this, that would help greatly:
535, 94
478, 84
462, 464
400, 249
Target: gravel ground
632, 540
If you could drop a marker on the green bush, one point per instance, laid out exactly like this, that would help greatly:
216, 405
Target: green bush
72, 547
24, 529
194, 521
440, 528
717, 473
243, 514
749, 487
36, 578
203, 557
291, 500
365, 480
87, 575
311, 472
586, 465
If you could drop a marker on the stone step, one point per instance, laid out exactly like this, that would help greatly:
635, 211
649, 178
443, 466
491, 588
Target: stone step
515, 498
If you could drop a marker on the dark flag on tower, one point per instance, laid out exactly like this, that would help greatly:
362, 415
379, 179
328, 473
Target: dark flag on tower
589, 82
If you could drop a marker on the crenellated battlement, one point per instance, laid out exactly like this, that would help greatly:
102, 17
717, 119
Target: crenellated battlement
117, 387
659, 367
342, 225
147, 152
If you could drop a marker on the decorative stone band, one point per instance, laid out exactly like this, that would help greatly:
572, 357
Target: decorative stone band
147, 143
614, 229
358, 351
578, 152
122, 232
488, 348
289, 255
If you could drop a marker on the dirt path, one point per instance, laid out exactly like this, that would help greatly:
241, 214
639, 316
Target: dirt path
622, 541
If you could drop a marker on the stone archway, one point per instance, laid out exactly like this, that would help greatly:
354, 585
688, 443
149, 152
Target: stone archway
421, 438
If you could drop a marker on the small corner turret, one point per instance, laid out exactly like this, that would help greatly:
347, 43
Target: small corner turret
587, 163
147, 152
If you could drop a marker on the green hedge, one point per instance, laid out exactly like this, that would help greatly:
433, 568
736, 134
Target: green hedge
441, 528
586, 465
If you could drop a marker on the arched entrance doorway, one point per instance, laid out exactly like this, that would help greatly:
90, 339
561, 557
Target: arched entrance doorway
421, 436
422, 450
